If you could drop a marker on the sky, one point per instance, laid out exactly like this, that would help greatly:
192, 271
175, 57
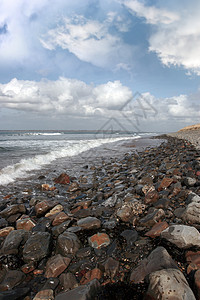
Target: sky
132, 64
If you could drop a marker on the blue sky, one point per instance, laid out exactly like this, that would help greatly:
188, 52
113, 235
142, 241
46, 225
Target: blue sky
75, 64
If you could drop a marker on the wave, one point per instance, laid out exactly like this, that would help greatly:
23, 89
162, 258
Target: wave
21, 169
42, 133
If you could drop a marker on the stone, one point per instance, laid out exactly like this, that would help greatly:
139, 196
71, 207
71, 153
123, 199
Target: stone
44, 295
26, 224
11, 280
3, 222
56, 265
130, 210
5, 231
158, 259
68, 243
192, 212
89, 223
152, 218
17, 293
169, 284
74, 186
42, 225
12, 242
157, 229
27, 268
57, 230
36, 247
189, 181
68, 281
57, 209
193, 257
83, 292
111, 267
182, 236
151, 197
130, 236
99, 240
13, 210
60, 218
42, 207
165, 183
62, 179
197, 282
83, 252
91, 275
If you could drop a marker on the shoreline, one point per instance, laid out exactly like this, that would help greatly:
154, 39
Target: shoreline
129, 200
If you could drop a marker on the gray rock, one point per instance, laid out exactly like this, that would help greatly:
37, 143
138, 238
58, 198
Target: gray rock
130, 210
68, 281
130, 236
182, 236
36, 247
13, 241
169, 284
56, 230
68, 243
151, 218
192, 212
111, 267
157, 260
89, 223
12, 279
12, 210
189, 181
84, 292
18, 293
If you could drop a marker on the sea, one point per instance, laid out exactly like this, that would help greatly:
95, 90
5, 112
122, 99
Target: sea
25, 155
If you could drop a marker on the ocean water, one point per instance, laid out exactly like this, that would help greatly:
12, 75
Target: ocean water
24, 154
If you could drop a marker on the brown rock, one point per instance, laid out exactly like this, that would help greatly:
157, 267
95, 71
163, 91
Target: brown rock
60, 218
56, 265
5, 231
157, 229
193, 257
27, 268
68, 281
83, 204
165, 183
90, 275
62, 179
151, 197
68, 243
13, 210
111, 267
99, 240
197, 282
129, 210
74, 186
12, 279
26, 224
152, 218
89, 223
57, 209
44, 295
42, 207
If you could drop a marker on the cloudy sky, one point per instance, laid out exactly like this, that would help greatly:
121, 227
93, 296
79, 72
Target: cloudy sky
78, 64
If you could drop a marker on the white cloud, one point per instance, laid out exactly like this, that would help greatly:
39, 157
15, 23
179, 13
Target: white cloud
152, 14
89, 40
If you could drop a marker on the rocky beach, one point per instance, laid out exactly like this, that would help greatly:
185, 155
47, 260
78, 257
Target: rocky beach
126, 228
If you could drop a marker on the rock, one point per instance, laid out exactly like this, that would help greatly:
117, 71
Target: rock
91, 275
68, 243
130, 236
193, 257
60, 218
17, 293
60, 228
197, 282
74, 186
157, 229
110, 224
189, 181
151, 218
42, 207
27, 268
56, 265
26, 224
51, 284
169, 284
12, 210
89, 223
151, 197
68, 281
57, 209
84, 292
62, 179
83, 252
192, 212
165, 183
130, 210
12, 242
157, 260
11, 280
110, 202
36, 247
111, 267
99, 240
42, 225
182, 236
3, 223
44, 295
5, 231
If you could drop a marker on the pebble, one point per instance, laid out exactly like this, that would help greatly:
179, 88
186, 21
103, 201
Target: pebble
99, 240
56, 265
67, 243
89, 223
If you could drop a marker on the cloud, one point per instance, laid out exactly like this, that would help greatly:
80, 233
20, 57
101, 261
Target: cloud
90, 40
152, 14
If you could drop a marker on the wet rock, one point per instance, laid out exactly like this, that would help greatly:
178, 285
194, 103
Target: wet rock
42, 225
89, 223
99, 240
26, 224
110, 202
162, 203
56, 265
169, 284
62, 179
157, 229
17, 293
51, 284
192, 212
3, 223
12, 242
91, 275
111, 267
12, 210
44, 295
84, 292
189, 181
110, 224
182, 236
129, 210
5, 231
165, 183
152, 218
68, 243
74, 186
157, 260
151, 197
60, 228
197, 282
130, 236
57, 209
68, 281
36, 247
27, 268
193, 257
59, 219
12, 279
42, 207
84, 252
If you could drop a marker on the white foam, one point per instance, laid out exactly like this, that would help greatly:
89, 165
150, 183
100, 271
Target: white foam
20, 170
